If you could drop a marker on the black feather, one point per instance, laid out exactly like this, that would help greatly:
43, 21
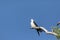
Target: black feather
35, 23
38, 32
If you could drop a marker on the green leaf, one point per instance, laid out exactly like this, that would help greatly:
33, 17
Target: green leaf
56, 29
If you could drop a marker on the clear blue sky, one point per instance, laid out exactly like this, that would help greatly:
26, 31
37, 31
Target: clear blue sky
15, 18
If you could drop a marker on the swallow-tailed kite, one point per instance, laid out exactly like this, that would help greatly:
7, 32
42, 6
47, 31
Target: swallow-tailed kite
40, 29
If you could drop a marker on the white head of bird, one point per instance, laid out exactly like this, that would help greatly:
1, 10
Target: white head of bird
32, 20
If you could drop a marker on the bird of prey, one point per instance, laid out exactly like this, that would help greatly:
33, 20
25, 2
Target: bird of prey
35, 26
39, 29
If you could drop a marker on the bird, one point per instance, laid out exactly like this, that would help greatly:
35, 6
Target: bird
40, 29
35, 26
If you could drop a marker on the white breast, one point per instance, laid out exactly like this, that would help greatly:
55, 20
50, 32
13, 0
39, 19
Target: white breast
33, 25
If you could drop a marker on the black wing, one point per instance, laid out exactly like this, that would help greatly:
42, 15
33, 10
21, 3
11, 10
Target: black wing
38, 32
35, 23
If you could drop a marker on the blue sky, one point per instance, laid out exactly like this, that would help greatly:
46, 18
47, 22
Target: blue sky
15, 18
